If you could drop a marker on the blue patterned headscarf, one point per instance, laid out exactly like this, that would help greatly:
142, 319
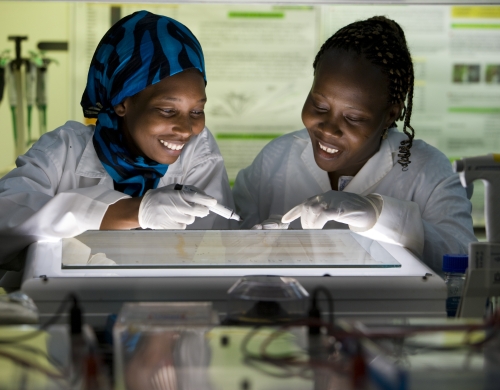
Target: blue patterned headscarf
139, 50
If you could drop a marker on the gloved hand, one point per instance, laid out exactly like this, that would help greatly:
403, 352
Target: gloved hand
166, 208
272, 223
355, 210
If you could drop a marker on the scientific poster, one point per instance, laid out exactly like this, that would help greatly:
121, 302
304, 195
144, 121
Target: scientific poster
259, 69
456, 56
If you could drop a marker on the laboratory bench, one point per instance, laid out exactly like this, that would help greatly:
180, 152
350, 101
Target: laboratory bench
174, 310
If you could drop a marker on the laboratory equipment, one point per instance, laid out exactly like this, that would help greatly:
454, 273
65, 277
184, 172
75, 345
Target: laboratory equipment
30, 84
364, 277
4, 60
454, 267
161, 344
218, 209
41, 63
15, 90
418, 353
17, 308
487, 169
266, 299
41, 92
483, 276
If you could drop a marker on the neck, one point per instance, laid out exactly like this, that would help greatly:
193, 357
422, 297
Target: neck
334, 176
128, 141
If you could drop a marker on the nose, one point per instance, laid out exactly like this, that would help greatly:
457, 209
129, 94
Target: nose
183, 126
331, 127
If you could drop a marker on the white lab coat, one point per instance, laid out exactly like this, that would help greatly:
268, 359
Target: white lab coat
425, 208
60, 188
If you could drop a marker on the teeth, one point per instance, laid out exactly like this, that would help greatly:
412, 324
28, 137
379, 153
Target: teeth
172, 146
328, 150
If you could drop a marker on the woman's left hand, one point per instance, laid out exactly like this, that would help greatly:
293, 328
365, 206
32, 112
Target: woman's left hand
355, 210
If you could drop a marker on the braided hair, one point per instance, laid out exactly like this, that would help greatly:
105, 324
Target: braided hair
382, 42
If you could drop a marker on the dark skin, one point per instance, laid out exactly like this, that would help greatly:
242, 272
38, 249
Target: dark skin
346, 113
157, 123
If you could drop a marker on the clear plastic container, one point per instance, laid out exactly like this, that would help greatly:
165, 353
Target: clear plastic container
454, 267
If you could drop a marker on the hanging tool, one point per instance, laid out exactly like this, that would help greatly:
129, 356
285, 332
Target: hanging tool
30, 83
16, 87
4, 60
42, 62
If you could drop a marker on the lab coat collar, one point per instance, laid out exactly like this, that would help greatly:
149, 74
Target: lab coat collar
307, 157
377, 167
90, 165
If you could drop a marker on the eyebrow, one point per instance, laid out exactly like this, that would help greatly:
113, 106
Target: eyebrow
173, 99
320, 94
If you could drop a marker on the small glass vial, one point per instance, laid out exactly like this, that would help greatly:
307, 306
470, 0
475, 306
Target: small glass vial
454, 267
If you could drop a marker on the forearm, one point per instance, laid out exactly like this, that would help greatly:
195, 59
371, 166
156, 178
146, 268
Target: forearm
122, 215
36, 216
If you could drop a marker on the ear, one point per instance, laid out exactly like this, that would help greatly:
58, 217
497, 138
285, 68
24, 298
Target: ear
394, 113
121, 108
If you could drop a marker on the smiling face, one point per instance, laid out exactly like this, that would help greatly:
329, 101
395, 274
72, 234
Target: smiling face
347, 111
158, 121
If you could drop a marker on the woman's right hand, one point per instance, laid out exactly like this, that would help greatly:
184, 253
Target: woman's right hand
167, 208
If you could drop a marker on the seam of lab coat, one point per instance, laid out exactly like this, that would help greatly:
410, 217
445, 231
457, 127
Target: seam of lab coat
87, 166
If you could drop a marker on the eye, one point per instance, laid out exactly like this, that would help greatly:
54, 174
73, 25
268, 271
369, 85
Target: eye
197, 113
353, 119
320, 108
167, 111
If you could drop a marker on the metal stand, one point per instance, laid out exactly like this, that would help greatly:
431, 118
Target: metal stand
482, 286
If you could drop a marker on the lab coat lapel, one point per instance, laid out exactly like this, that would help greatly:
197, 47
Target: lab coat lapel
374, 170
90, 166
316, 172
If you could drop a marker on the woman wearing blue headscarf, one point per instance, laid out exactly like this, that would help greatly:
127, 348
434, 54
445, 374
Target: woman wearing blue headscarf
146, 87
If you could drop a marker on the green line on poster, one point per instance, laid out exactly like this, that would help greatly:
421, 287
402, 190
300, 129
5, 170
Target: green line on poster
476, 25
253, 136
475, 110
264, 15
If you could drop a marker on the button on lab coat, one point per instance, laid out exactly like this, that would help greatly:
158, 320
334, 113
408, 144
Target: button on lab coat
60, 188
425, 208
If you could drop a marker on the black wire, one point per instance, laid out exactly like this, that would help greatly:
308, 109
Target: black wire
57, 315
250, 359
326, 293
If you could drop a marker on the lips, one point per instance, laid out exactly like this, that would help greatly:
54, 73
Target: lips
326, 150
173, 146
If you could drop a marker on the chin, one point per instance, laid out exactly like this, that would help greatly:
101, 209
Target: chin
323, 166
169, 161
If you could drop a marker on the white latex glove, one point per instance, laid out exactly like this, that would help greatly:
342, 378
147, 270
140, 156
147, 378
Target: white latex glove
166, 208
272, 223
355, 210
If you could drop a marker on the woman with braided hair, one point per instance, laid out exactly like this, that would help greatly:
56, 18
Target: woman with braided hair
146, 87
351, 166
